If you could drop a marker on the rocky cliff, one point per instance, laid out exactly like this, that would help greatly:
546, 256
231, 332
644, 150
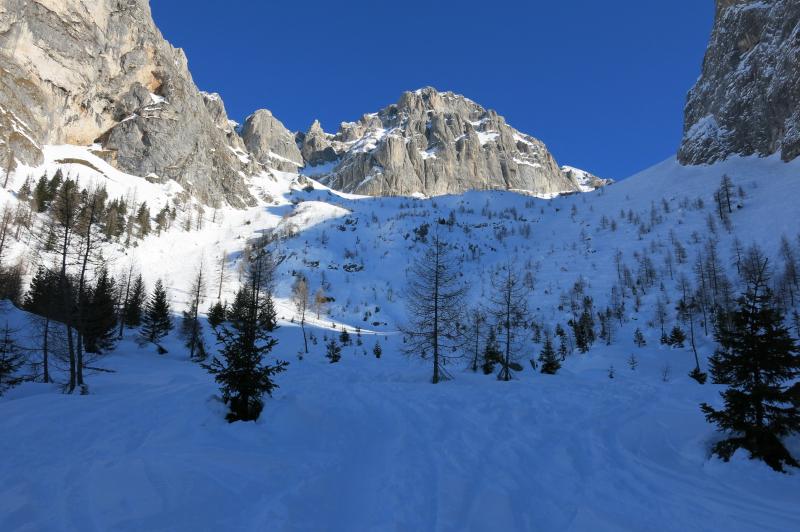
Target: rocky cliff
99, 71
433, 143
747, 100
270, 142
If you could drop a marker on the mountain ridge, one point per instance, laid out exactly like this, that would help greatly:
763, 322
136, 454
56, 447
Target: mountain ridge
432, 143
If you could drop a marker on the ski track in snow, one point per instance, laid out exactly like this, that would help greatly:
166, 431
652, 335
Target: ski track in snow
369, 444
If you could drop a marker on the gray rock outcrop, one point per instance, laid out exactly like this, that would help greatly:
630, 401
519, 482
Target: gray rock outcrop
316, 145
270, 142
585, 180
81, 72
747, 100
434, 143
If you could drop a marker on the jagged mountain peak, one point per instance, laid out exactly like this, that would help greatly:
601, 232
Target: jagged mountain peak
431, 143
270, 142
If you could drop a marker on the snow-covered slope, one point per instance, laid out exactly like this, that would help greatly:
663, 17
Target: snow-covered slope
369, 444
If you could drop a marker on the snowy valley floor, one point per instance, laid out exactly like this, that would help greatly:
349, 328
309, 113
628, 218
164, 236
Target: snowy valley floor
368, 444
371, 445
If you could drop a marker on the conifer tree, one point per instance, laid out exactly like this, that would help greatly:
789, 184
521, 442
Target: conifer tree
269, 316
192, 332
42, 300
562, 348
548, 357
143, 220
435, 293
510, 309
344, 337
191, 328
162, 220
377, 350
333, 352
217, 314
157, 320
677, 337
240, 370
583, 328
64, 212
475, 332
491, 352
135, 304
25, 190
100, 323
11, 360
638, 338
756, 358
41, 195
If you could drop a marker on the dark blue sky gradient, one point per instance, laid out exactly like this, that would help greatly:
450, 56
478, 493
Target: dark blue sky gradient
603, 83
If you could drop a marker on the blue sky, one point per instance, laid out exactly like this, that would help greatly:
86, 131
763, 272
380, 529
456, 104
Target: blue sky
603, 83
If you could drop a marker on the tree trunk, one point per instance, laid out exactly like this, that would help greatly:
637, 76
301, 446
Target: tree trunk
437, 273
125, 302
45, 353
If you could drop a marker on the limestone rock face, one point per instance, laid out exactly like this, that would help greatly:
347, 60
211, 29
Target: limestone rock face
316, 145
270, 142
434, 143
747, 100
86, 71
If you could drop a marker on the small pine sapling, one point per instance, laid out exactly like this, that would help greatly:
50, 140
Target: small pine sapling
638, 338
333, 351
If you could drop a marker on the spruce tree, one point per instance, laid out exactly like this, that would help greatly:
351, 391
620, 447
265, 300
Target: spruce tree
677, 337
562, 348
100, 323
548, 358
135, 304
191, 330
240, 369
756, 358
143, 220
638, 338
41, 195
238, 310
333, 352
269, 316
377, 350
491, 352
344, 337
42, 300
157, 318
584, 328
11, 360
217, 314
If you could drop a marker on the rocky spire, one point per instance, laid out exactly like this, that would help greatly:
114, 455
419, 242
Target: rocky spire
316, 145
270, 142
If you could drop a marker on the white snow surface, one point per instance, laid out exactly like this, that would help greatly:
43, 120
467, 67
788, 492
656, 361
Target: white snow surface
370, 444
